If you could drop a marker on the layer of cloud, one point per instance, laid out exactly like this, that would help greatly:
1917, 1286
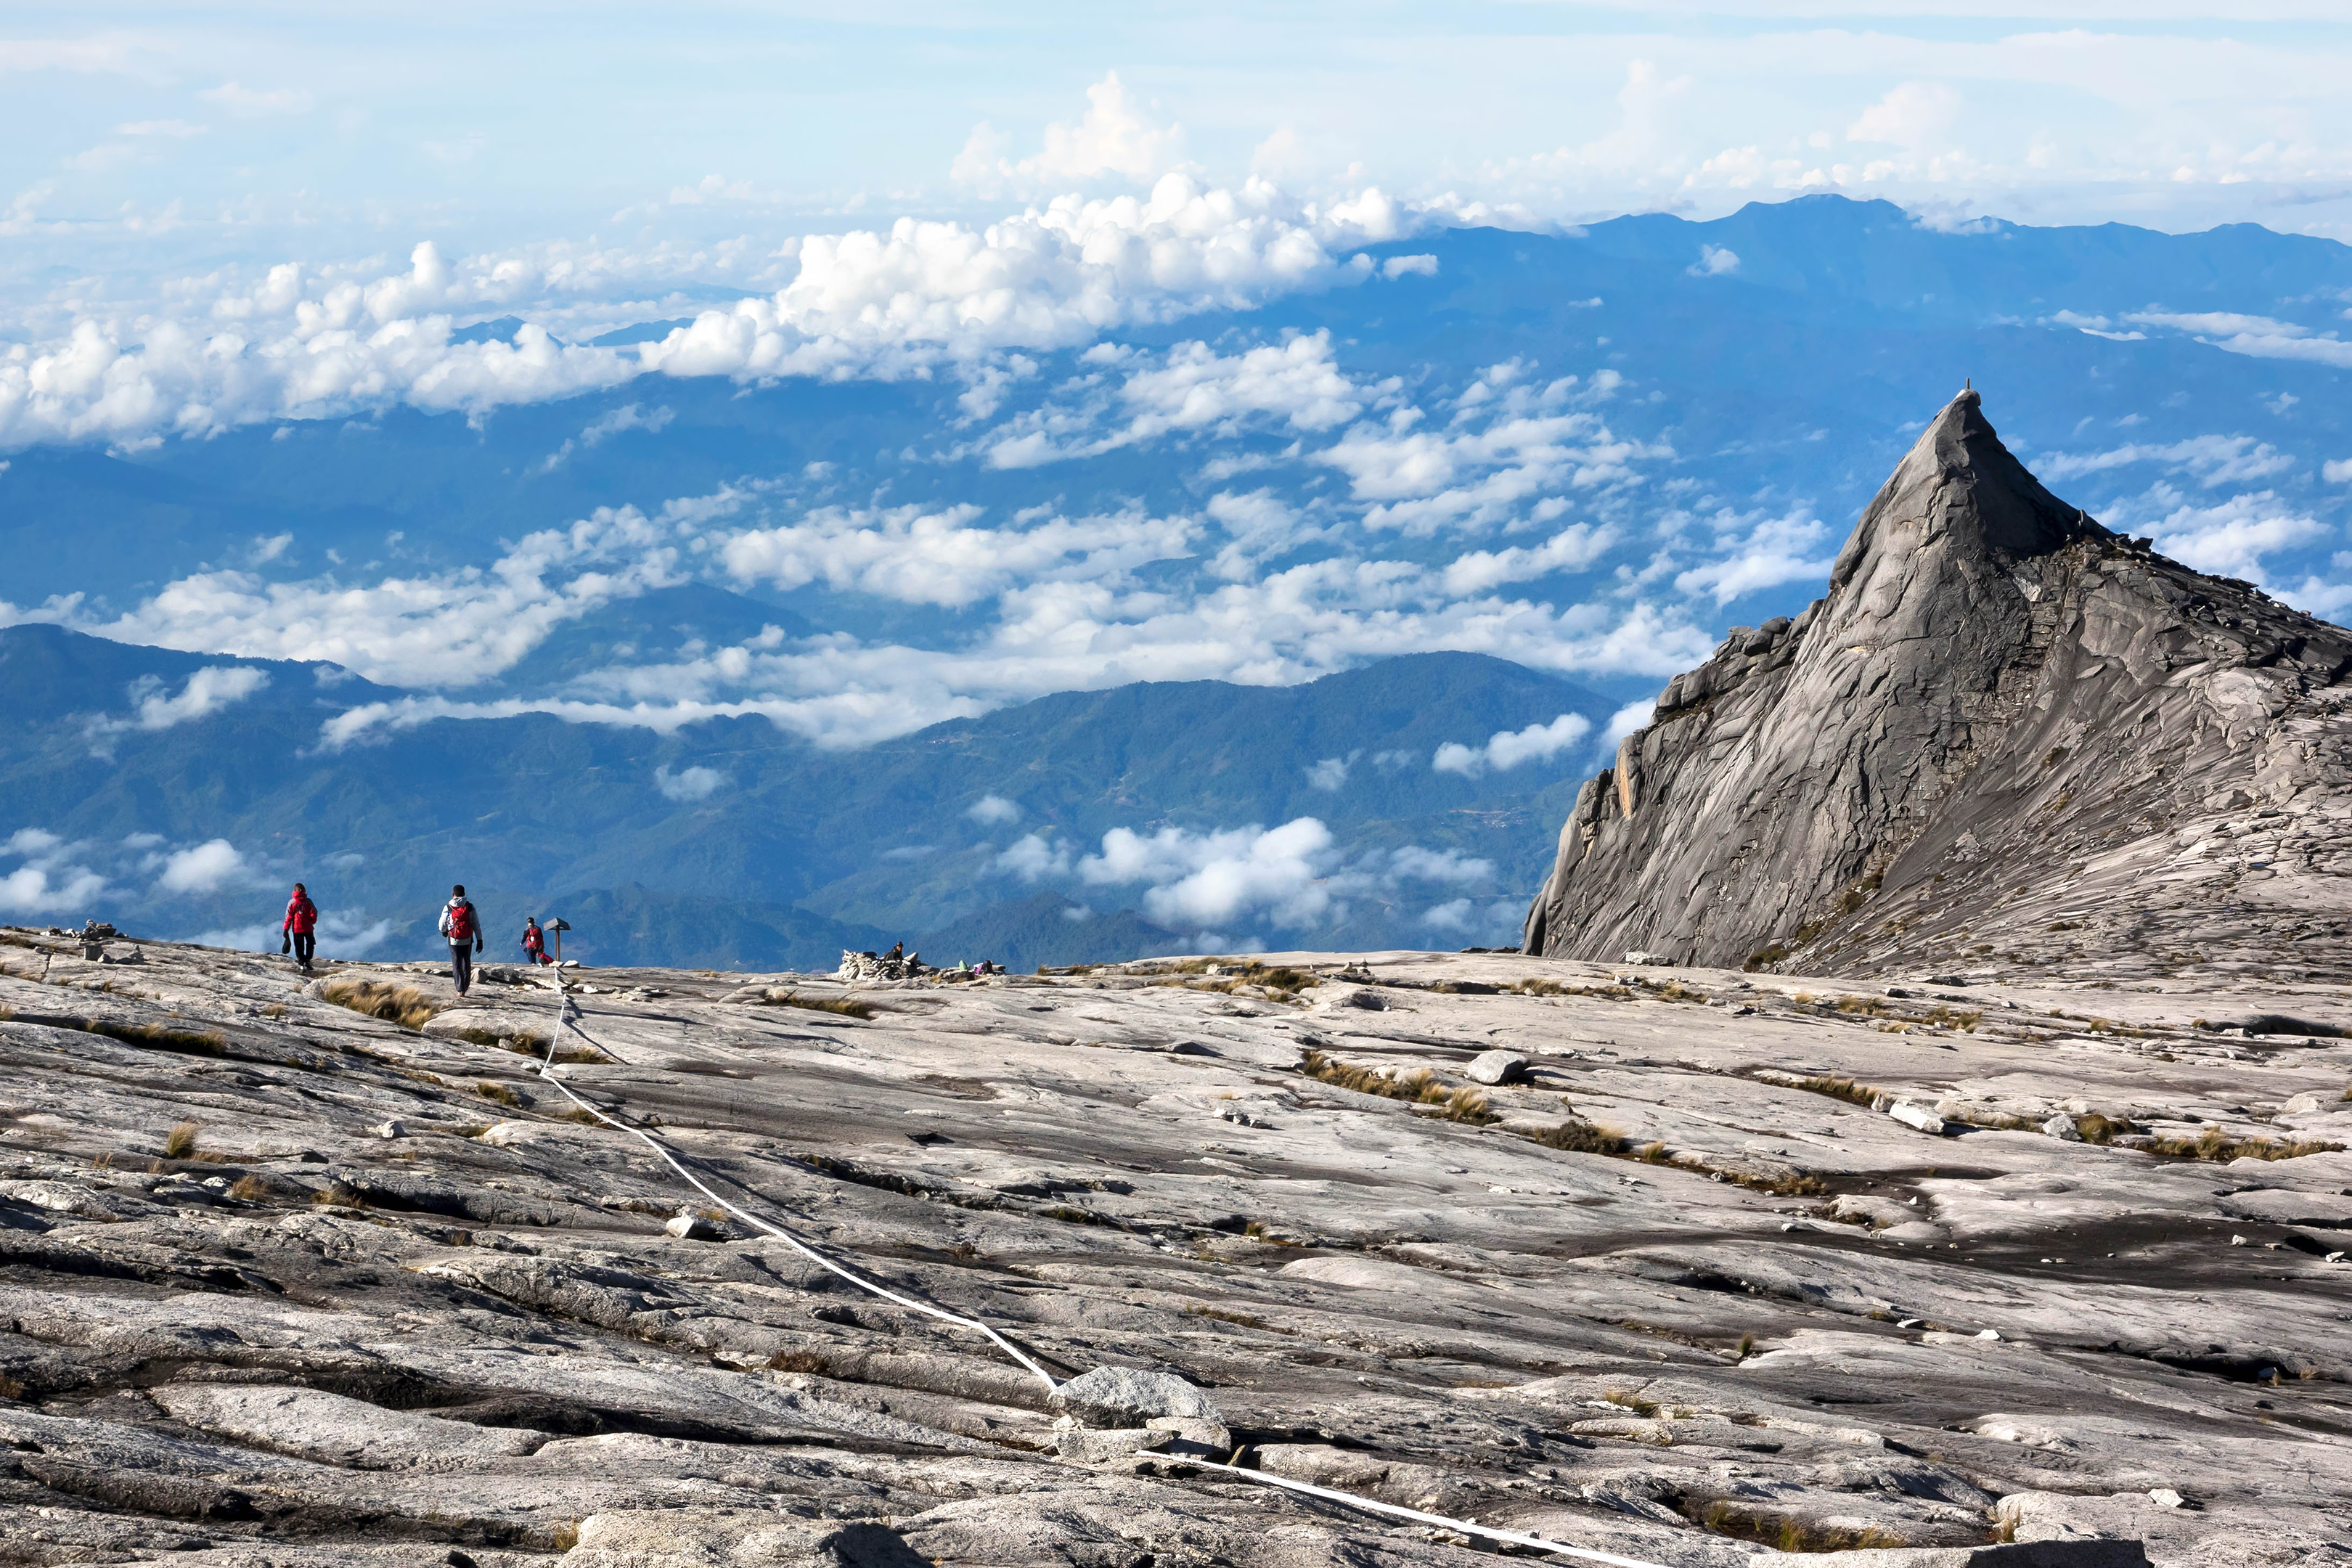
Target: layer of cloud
204, 693
50, 877
302, 342
688, 785
1506, 749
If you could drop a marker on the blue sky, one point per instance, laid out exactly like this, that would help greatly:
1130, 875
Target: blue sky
981, 352
138, 131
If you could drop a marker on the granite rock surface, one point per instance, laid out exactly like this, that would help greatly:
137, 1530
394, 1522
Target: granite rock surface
1688, 1290
2006, 740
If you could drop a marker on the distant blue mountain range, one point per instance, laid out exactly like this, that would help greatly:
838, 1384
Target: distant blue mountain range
628, 836
1547, 470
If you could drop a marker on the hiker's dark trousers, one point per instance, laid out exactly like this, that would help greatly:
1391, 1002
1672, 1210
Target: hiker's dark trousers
461, 964
305, 945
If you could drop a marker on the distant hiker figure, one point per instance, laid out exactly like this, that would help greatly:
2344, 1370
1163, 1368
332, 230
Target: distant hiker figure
301, 928
462, 924
898, 952
535, 941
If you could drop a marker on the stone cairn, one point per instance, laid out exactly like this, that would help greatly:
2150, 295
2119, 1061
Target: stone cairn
855, 966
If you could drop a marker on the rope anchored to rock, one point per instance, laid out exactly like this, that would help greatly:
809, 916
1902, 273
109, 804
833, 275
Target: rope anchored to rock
546, 1071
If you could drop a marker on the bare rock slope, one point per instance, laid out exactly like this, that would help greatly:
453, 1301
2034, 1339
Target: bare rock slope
2014, 1276
2006, 738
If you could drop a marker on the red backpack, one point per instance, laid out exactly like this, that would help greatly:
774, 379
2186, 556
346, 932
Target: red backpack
461, 923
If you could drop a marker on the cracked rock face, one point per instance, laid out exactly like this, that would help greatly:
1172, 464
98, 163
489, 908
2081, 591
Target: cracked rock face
2006, 739
1684, 1287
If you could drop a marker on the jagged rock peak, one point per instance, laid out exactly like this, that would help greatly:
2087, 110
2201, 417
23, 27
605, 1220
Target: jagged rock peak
2001, 719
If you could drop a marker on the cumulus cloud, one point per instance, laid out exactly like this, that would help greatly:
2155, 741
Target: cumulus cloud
924, 557
204, 694
2336, 473
1760, 552
342, 934
606, 426
1115, 139
1507, 748
2229, 539
449, 628
2212, 459
1295, 384
2260, 336
990, 810
203, 869
1572, 549
1626, 719
1714, 261
313, 342
51, 875
1331, 772
1292, 875
1034, 856
689, 784
1912, 115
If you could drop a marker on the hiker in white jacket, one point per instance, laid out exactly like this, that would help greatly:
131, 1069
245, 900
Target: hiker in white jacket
462, 924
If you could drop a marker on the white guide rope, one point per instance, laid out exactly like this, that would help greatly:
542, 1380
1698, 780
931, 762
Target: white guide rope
546, 1071
1392, 1509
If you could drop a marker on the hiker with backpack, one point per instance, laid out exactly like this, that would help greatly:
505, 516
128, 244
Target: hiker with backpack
462, 924
301, 928
535, 941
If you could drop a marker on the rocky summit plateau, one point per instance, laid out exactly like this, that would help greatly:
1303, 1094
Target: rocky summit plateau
2005, 739
1685, 1266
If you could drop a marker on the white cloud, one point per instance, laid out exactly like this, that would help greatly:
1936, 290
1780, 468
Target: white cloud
341, 936
2260, 336
1194, 388
204, 693
1766, 551
1290, 876
2336, 473
2213, 459
1032, 856
451, 628
990, 810
1409, 265
607, 425
1425, 481
51, 877
1213, 878
1330, 773
1115, 139
1714, 261
1626, 719
689, 784
1507, 748
919, 557
2229, 539
205, 868
1572, 549
1912, 115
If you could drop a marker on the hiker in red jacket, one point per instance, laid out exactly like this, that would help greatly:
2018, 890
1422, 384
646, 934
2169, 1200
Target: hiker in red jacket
535, 941
462, 924
300, 930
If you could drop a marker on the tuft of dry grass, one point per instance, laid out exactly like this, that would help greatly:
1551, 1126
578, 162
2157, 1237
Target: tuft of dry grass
498, 1092
2214, 1144
401, 1004
248, 1189
2097, 1128
180, 1143
1578, 1137
1843, 1088
841, 1007
1418, 1086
